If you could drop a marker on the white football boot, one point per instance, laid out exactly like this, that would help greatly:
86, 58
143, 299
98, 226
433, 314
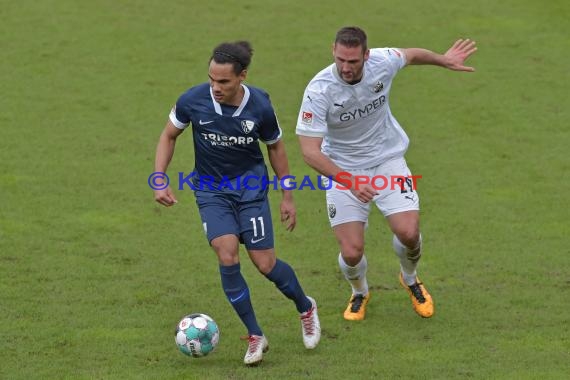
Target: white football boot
257, 345
311, 326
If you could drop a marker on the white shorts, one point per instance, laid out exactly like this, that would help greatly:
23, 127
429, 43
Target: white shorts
396, 193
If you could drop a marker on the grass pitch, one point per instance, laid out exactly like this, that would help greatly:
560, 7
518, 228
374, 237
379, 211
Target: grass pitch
94, 275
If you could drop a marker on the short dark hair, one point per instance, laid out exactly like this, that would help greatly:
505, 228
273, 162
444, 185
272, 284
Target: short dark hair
237, 53
351, 36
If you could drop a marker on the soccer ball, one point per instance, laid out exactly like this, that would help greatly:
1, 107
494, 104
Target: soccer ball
197, 335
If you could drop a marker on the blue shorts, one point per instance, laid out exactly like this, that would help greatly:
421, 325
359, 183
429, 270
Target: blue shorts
250, 222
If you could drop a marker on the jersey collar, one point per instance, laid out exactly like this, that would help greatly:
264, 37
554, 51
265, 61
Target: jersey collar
218, 107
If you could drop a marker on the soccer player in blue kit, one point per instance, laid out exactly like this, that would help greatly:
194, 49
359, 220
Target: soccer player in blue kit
228, 119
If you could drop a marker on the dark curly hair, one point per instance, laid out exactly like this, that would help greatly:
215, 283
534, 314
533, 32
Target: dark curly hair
237, 53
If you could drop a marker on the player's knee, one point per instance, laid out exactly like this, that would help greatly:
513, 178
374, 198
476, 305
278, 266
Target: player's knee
227, 259
410, 238
226, 255
265, 268
352, 253
264, 263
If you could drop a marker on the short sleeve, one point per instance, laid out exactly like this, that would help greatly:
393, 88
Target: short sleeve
179, 115
269, 131
311, 121
393, 58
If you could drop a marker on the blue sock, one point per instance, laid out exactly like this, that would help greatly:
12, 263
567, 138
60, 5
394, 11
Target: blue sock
284, 278
237, 292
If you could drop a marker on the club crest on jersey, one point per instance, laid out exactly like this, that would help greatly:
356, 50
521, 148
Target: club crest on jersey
332, 210
307, 117
247, 125
379, 86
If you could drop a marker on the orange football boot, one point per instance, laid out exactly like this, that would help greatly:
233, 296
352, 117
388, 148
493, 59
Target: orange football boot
356, 309
421, 299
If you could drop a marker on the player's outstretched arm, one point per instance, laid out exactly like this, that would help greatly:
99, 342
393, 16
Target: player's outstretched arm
458, 54
453, 59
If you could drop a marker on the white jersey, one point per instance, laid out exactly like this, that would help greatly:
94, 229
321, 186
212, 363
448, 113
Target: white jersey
355, 121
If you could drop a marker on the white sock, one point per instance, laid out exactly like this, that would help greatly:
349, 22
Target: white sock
408, 259
355, 275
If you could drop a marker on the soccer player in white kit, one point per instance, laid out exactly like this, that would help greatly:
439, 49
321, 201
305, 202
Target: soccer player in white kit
348, 133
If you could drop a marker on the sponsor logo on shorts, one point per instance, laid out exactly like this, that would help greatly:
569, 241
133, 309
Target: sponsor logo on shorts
253, 241
332, 210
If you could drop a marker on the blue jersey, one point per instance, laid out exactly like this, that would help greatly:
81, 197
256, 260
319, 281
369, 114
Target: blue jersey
228, 158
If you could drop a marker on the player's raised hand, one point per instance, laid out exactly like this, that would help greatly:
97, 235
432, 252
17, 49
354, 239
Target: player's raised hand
458, 54
165, 197
288, 213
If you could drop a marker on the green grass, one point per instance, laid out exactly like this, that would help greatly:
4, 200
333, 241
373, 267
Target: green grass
94, 275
